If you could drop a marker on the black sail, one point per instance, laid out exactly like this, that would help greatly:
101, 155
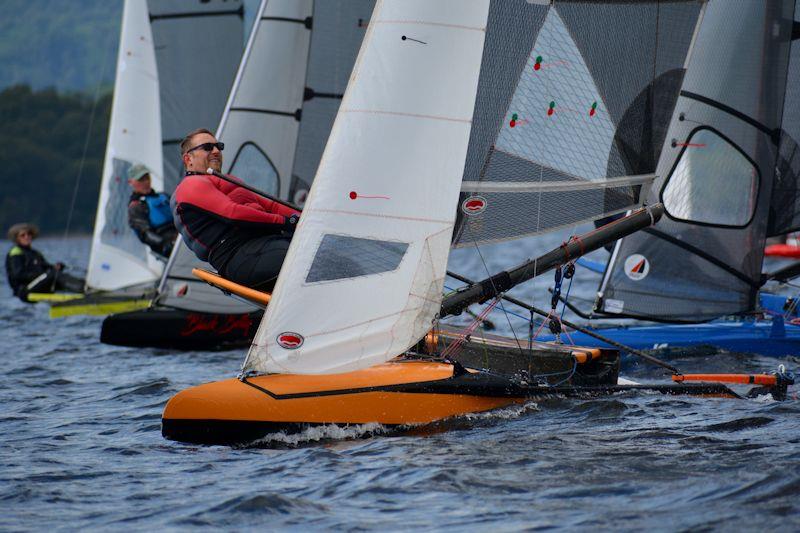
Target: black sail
715, 174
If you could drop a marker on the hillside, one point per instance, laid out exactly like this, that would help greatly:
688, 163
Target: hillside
71, 46
43, 142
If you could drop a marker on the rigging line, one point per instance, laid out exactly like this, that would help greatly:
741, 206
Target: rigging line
502, 307
576, 327
88, 135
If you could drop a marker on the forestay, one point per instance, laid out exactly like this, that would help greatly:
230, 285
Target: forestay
198, 47
117, 258
278, 117
716, 174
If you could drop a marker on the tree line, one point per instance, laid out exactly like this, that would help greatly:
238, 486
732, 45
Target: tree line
42, 160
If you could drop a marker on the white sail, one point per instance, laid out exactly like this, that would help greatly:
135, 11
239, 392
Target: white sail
118, 259
262, 128
387, 186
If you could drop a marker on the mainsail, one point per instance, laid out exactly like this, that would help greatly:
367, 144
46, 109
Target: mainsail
278, 117
118, 259
523, 102
155, 96
735, 124
198, 47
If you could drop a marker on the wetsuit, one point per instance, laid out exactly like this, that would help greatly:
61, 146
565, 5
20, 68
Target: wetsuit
243, 235
28, 271
150, 217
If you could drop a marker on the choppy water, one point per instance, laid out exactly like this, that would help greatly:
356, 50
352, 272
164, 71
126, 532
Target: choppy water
82, 449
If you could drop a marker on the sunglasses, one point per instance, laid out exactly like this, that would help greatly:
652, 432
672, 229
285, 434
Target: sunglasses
207, 147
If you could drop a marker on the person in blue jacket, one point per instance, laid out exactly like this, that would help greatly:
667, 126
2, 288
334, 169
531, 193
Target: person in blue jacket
149, 213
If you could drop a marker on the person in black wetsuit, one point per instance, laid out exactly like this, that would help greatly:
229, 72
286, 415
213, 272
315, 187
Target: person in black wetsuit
243, 235
28, 271
149, 213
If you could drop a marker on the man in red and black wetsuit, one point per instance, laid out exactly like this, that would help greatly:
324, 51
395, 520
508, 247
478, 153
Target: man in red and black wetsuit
243, 235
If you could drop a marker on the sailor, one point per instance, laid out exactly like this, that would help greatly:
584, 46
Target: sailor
27, 269
149, 213
242, 234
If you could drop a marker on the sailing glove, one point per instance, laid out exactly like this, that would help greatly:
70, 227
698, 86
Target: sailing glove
291, 223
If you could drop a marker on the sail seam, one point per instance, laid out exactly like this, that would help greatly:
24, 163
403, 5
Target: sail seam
376, 215
429, 23
404, 114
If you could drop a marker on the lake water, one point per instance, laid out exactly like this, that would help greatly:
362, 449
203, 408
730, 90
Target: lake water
82, 448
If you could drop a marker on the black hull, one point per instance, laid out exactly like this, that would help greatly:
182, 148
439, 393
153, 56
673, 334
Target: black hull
159, 327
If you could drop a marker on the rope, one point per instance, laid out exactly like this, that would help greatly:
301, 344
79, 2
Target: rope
86, 140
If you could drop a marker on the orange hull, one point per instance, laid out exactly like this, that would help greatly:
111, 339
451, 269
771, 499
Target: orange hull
403, 393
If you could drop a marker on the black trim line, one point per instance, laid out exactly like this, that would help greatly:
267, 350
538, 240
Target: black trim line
703, 255
170, 141
775, 134
795, 30
308, 22
297, 115
168, 16
483, 385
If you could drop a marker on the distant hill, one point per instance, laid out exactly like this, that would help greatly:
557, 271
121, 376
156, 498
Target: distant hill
43, 142
69, 45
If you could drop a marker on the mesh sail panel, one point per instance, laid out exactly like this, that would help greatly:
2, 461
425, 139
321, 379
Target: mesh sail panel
211, 34
785, 208
715, 172
338, 29
559, 102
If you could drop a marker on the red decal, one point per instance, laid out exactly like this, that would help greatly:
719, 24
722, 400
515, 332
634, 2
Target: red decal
354, 195
217, 324
473, 205
639, 267
290, 340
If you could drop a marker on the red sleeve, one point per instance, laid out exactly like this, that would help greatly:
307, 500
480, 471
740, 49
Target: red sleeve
200, 191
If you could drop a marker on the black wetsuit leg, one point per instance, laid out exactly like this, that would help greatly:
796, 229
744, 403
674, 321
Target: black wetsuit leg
257, 262
66, 282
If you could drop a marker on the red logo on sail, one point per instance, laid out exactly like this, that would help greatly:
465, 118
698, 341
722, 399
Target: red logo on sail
637, 267
474, 205
290, 341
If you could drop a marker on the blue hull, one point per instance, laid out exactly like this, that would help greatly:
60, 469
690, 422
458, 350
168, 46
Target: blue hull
760, 337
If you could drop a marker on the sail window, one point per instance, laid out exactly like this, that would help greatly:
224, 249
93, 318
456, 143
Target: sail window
254, 167
712, 183
342, 257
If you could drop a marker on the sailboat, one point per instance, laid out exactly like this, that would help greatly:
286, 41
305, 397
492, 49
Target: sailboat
303, 52
468, 107
150, 113
729, 179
